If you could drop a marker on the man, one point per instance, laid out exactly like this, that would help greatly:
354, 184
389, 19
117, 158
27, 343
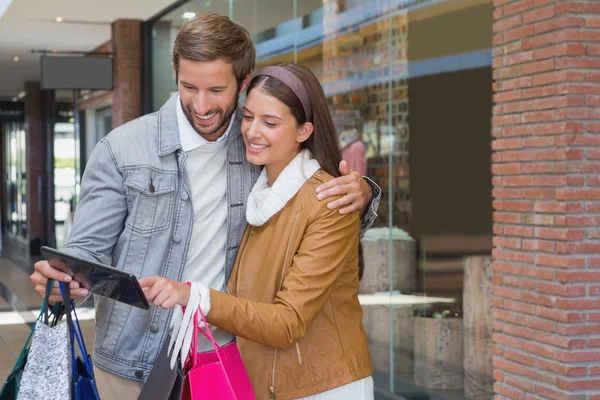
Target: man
165, 195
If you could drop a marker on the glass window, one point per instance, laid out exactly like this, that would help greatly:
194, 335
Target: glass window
409, 86
16, 179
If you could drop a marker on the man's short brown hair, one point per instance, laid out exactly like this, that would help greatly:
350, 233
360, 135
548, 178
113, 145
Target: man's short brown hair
210, 37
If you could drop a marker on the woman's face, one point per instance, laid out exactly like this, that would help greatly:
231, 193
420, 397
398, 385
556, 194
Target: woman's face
271, 133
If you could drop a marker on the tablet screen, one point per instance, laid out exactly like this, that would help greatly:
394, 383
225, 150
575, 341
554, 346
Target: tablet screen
99, 279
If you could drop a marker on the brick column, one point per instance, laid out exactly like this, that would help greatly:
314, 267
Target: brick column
35, 159
127, 93
546, 162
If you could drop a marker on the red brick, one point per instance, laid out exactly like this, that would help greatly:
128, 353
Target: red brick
583, 248
548, 393
559, 368
538, 245
507, 340
558, 23
508, 391
520, 358
518, 331
539, 40
517, 181
576, 7
506, 193
538, 324
560, 261
517, 83
538, 66
578, 356
507, 243
507, 218
503, 144
539, 272
578, 304
549, 207
578, 276
521, 231
521, 206
539, 142
539, 299
578, 194
513, 318
519, 283
539, 92
574, 62
517, 7
549, 180
507, 23
519, 383
522, 155
506, 120
538, 14
507, 366
559, 341
549, 155
538, 116
558, 128
538, 168
576, 88
508, 293
559, 234
560, 290
538, 194
507, 96
576, 35
518, 33
559, 50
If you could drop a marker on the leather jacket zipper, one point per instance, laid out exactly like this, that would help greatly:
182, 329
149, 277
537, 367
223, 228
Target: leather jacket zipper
299, 355
272, 387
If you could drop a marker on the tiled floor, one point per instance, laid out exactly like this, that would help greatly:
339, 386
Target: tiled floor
19, 307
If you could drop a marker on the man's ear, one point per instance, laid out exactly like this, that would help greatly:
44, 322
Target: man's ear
304, 132
246, 82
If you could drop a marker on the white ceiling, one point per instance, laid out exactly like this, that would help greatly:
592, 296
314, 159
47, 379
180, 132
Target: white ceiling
31, 24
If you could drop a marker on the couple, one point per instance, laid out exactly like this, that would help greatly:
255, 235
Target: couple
179, 196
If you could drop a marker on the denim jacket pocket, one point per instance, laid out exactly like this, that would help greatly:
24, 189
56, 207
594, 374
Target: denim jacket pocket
150, 194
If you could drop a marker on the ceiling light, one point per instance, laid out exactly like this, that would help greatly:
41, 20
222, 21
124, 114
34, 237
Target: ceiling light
16, 58
188, 15
59, 19
21, 95
15, 99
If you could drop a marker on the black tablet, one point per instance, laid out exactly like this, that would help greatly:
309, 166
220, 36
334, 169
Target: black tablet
99, 279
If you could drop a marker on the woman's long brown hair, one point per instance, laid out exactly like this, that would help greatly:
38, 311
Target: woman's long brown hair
323, 143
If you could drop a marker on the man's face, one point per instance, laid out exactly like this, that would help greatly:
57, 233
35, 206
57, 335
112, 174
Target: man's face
209, 95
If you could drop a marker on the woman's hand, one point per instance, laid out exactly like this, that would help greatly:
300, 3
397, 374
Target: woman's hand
164, 292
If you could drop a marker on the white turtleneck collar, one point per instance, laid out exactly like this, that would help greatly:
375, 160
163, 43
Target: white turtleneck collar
265, 201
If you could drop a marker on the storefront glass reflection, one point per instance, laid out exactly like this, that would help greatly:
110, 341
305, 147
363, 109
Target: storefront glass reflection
409, 86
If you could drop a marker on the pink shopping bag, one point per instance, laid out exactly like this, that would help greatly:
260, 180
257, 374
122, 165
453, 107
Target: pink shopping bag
218, 374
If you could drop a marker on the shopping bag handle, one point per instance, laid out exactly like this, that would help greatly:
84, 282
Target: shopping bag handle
74, 327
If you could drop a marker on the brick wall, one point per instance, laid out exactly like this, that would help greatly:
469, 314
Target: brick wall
35, 158
546, 165
127, 93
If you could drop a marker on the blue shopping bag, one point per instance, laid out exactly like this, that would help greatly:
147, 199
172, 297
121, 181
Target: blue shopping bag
83, 381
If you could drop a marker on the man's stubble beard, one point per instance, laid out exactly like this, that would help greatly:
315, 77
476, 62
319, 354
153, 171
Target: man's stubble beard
224, 121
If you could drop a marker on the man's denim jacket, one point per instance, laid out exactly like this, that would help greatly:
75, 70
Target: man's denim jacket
135, 213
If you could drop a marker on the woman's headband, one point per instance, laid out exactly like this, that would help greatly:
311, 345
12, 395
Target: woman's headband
293, 83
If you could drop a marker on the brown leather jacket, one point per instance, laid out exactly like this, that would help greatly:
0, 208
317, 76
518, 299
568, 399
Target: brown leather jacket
296, 311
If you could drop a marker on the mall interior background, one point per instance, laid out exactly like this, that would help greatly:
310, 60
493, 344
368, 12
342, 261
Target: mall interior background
409, 85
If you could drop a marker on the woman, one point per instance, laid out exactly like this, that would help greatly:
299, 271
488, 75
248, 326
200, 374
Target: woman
293, 293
